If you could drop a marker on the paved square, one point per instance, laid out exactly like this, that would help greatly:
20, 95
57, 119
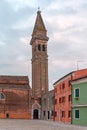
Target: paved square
7, 124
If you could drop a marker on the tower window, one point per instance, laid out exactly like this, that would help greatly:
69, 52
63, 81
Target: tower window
43, 47
39, 47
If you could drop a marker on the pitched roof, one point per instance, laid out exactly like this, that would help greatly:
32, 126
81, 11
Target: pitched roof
79, 79
18, 82
64, 77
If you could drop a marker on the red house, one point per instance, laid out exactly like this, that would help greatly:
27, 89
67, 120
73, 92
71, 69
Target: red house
62, 91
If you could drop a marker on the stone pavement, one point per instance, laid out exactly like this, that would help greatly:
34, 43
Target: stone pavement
13, 124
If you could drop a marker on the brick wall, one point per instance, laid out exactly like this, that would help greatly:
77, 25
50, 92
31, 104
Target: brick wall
16, 104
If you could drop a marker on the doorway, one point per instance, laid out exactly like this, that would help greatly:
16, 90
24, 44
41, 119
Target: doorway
35, 114
7, 115
48, 115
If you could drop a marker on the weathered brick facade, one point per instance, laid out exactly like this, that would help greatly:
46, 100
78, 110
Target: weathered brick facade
16, 100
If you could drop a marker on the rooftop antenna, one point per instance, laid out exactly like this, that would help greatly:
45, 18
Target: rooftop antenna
78, 64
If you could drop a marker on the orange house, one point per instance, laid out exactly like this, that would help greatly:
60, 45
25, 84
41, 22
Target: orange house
62, 91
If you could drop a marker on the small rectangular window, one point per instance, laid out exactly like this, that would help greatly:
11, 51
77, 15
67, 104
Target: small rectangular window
77, 93
63, 113
63, 85
76, 114
55, 101
60, 100
69, 114
55, 113
69, 98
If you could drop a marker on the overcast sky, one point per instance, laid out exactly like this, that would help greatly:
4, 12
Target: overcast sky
66, 23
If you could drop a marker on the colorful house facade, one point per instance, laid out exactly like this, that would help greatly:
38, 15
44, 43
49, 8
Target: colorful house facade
79, 101
62, 92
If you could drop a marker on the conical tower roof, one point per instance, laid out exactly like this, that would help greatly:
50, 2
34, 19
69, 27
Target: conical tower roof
39, 31
39, 24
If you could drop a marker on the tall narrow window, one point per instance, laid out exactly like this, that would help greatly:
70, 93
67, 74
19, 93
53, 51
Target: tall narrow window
69, 83
39, 47
76, 93
76, 114
60, 100
69, 98
43, 47
63, 113
55, 101
69, 114
63, 85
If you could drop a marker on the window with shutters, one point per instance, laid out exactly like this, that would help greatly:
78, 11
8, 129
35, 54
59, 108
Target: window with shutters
76, 114
76, 93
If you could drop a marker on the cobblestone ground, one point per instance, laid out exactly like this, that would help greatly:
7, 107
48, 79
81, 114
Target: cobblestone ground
36, 125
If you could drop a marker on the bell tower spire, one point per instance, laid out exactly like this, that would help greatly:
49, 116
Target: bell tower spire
39, 57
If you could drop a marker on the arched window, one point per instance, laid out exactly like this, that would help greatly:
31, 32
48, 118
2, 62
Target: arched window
43, 47
39, 47
2, 96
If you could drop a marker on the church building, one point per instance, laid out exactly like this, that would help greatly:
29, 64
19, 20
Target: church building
15, 96
17, 99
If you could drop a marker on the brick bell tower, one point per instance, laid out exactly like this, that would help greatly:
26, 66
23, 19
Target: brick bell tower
39, 64
39, 58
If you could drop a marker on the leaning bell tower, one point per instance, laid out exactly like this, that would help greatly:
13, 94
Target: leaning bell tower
39, 58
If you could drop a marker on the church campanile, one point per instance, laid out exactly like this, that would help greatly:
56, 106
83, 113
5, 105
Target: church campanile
39, 58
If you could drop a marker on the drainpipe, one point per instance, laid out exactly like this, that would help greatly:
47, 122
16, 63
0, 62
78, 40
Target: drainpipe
71, 95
